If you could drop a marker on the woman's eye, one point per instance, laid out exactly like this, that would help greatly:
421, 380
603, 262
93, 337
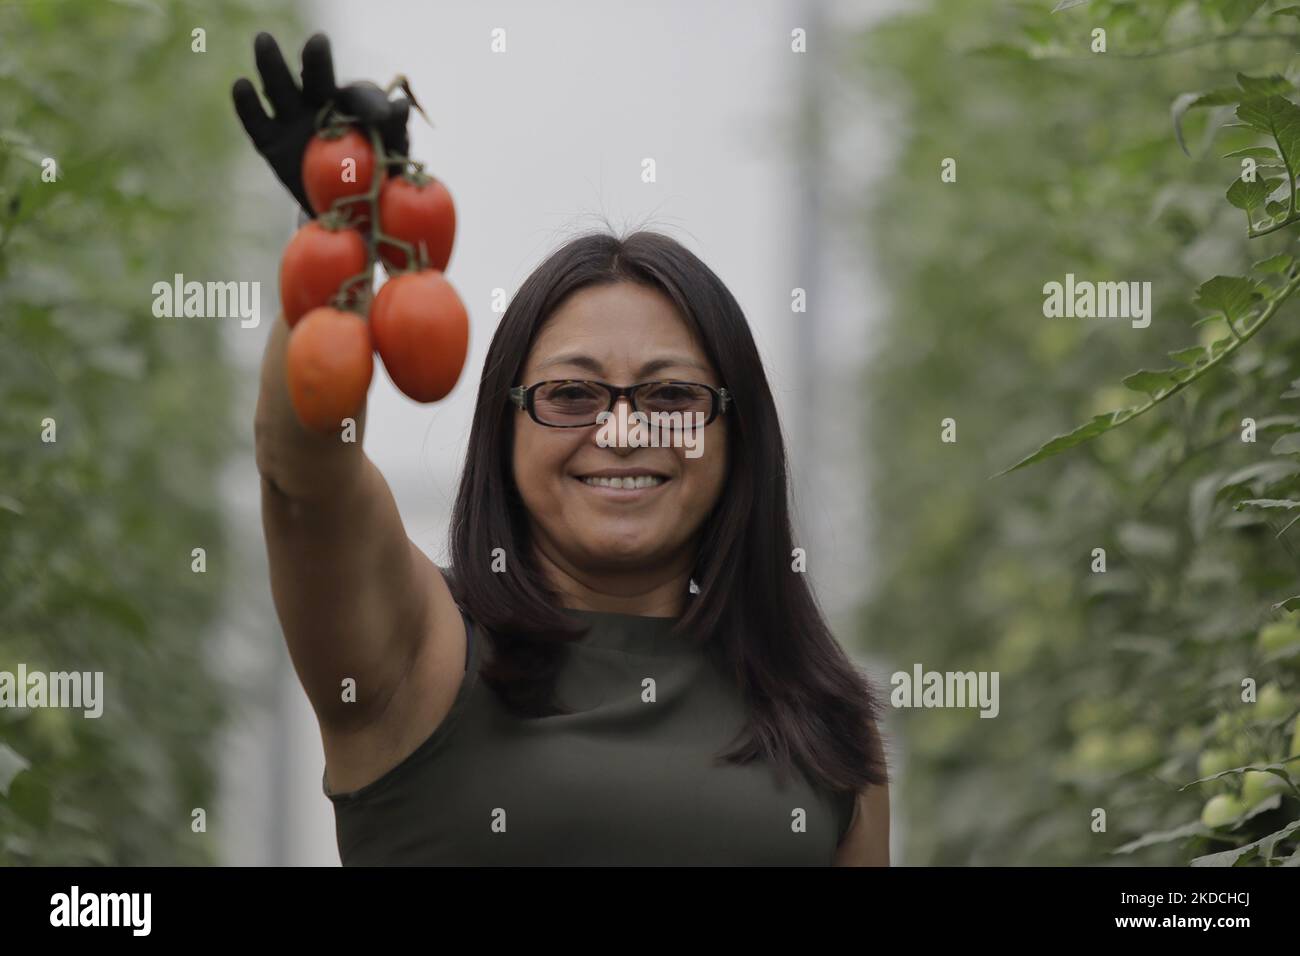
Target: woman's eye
671, 395
571, 394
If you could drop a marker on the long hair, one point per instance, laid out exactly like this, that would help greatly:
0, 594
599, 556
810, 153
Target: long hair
809, 707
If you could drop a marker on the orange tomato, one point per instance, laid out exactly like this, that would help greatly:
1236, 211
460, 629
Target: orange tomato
421, 330
329, 362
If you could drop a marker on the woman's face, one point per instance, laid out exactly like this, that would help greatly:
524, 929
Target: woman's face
621, 333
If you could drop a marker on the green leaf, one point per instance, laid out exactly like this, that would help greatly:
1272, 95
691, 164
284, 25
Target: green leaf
1288, 444
1291, 603
1232, 296
1229, 290
1191, 101
1267, 503
1261, 472
1195, 828
1190, 356
11, 765
1151, 382
1278, 263
1247, 88
1280, 118
1241, 853
1286, 12
1227, 857
1253, 152
1268, 844
1255, 87
1272, 768
1288, 423
1097, 425
1252, 195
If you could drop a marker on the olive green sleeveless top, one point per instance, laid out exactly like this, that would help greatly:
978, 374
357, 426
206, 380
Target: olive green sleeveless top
627, 778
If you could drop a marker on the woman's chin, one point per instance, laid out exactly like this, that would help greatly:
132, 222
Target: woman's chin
633, 551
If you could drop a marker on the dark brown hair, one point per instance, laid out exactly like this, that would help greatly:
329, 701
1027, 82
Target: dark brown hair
810, 708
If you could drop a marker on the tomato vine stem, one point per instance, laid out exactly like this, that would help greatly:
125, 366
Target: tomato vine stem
374, 236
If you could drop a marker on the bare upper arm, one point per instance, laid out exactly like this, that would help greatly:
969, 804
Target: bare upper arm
371, 627
867, 841
423, 696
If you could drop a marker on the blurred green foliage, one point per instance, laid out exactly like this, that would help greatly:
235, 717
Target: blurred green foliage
1120, 688
97, 528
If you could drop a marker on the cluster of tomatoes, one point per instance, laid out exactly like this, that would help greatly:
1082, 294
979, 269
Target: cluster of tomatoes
417, 323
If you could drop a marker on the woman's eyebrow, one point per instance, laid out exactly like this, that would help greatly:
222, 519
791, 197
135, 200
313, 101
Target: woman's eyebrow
649, 368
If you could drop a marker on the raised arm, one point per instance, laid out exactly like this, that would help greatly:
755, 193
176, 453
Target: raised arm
370, 624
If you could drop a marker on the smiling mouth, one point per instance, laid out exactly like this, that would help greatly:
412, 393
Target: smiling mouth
623, 483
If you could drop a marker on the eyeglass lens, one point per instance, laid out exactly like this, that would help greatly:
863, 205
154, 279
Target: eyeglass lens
579, 403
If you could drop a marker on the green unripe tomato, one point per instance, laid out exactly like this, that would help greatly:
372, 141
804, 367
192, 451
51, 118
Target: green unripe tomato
1295, 748
1273, 703
1278, 635
1222, 809
1216, 761
1257, 785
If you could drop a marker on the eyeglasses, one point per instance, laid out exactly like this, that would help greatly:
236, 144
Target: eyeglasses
577, 403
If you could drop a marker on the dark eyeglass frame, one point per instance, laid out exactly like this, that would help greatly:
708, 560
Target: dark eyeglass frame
524, 396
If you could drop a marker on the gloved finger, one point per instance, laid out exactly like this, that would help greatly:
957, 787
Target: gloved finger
257, 124
277, 82
318, 86
393, 128
365, 102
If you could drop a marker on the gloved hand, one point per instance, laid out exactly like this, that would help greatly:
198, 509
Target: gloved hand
282, 139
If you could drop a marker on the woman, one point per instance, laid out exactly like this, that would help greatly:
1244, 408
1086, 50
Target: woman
621, 666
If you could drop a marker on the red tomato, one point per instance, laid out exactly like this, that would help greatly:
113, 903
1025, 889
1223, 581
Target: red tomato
329, 361
334, 167
417, 210
314, 265
421, 331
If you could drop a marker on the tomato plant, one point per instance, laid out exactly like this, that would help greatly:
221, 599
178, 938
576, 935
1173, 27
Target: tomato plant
1140, 566
97, 527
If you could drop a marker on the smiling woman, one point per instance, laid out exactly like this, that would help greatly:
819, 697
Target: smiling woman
620, 666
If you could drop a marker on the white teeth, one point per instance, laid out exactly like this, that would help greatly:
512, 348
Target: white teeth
640, 481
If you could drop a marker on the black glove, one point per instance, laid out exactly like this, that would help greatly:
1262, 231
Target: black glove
282, 140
